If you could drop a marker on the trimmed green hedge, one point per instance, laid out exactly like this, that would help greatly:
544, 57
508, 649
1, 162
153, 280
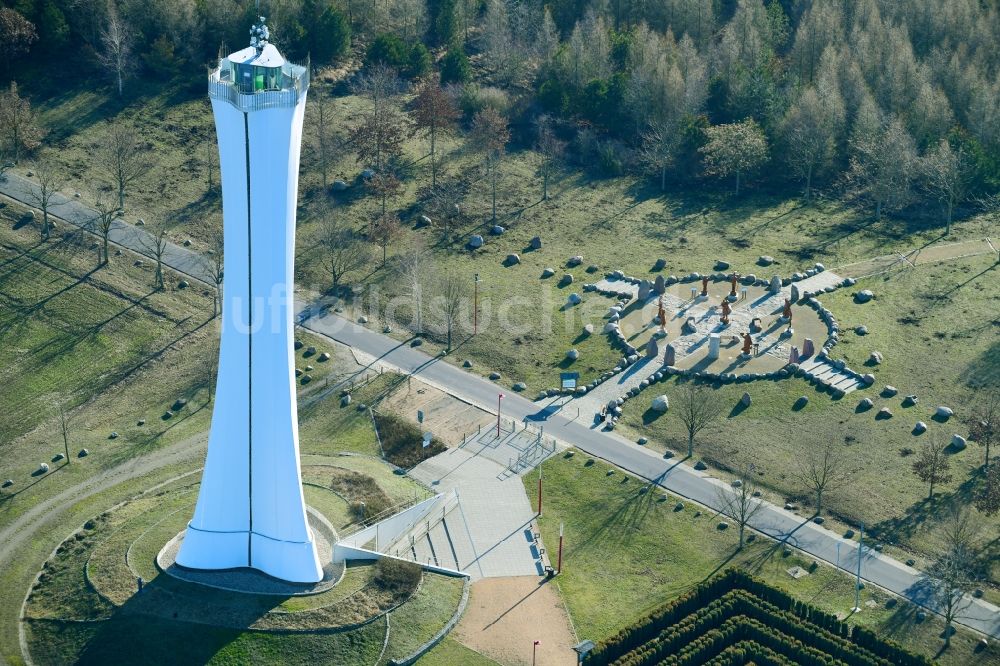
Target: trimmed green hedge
738, 605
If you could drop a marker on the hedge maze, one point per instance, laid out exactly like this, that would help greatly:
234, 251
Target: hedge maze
735, 618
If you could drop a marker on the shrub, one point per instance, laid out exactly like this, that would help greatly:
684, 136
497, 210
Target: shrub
366, 499
475, 98
397, 576
419, 61
389, 50
455, 67
403, 442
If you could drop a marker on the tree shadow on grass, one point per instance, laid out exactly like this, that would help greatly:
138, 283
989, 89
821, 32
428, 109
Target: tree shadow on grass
924, 512
621, 523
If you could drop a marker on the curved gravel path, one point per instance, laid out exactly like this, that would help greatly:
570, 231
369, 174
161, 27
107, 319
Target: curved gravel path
14, 535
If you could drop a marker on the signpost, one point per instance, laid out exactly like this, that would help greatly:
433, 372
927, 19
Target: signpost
420, 416
427, 439
568, 380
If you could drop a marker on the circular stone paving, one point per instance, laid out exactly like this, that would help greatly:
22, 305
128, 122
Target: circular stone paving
692, 318
252, 581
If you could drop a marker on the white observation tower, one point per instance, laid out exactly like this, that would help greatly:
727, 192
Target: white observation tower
251, 511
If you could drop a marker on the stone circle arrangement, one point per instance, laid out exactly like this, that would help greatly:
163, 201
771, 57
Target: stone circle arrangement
801, 290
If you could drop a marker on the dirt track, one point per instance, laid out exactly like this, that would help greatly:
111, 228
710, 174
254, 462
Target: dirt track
506, 615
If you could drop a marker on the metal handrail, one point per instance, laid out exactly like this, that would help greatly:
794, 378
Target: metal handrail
222, 88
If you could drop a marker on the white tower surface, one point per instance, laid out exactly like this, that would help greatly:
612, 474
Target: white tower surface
251, 511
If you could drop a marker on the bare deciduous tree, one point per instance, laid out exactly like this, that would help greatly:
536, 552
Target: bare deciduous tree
216, 269
65, 432
490, 135
155, 243
883, 161
322, 137
954, 573
946, 173
116, 40
932, 465
211, 164
414, 270
659, 146
988, 498
823, 470
18, 124
379, 84
43, 196
451, 293
122, 157
984, 423
740, 502
551, 148
343, 251
435, 113
103, 222
17, 34
384, 184
810, 131
384, 230
378, 140
697, 407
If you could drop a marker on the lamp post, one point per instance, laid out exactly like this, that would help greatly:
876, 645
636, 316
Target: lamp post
534, 652
499, 398
475, 306
559, 561
539, 491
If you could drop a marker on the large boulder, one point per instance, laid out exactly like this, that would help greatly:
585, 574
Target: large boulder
476, 241
574, 299
660, 404
943, 412
497, 230
572, 354
765, 260
512, 259
339, 186
536, 243
863, 296
574, 261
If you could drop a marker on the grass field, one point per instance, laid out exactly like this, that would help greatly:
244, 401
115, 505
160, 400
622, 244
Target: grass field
68, 619
624, 537
115, 354
935, 360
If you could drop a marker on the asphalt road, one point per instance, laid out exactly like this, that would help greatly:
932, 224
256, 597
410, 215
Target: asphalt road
558, 419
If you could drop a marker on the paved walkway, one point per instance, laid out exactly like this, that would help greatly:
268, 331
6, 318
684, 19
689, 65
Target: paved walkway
923, 255
494, 512
676, 477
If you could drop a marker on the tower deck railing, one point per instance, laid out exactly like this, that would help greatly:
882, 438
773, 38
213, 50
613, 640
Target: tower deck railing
296, 82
